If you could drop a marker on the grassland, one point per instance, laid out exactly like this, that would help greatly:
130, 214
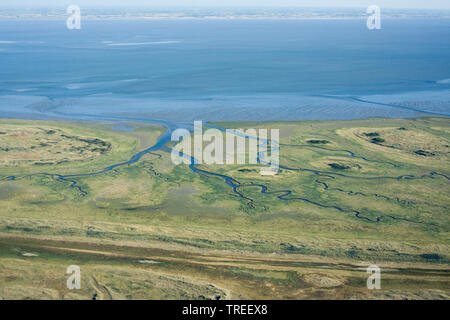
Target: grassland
361, 192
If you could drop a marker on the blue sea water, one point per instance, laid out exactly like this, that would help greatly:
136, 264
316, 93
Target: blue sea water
225, 69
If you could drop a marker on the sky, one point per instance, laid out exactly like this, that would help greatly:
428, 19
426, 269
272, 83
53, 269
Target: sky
431, 4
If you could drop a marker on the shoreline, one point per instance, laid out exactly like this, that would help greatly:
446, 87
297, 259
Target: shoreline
265, 108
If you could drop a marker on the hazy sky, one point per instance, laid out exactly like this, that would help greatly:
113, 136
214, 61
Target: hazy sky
303, 3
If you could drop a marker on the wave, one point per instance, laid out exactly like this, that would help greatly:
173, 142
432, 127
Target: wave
14, 42
77, 86
111, 43
443, 81
24, 89
74, 86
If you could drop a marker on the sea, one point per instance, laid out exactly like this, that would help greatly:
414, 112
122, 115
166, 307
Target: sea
224, 69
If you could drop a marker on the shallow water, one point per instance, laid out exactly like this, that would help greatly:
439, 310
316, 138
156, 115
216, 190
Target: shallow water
226, 70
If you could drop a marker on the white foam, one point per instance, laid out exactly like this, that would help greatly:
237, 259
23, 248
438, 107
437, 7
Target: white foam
443, 81
24, 89
28, 42
76, 86
110, 43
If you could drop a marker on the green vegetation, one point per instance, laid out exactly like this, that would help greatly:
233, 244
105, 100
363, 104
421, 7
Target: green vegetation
155, 230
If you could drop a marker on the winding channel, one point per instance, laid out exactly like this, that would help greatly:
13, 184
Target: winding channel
284, 195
